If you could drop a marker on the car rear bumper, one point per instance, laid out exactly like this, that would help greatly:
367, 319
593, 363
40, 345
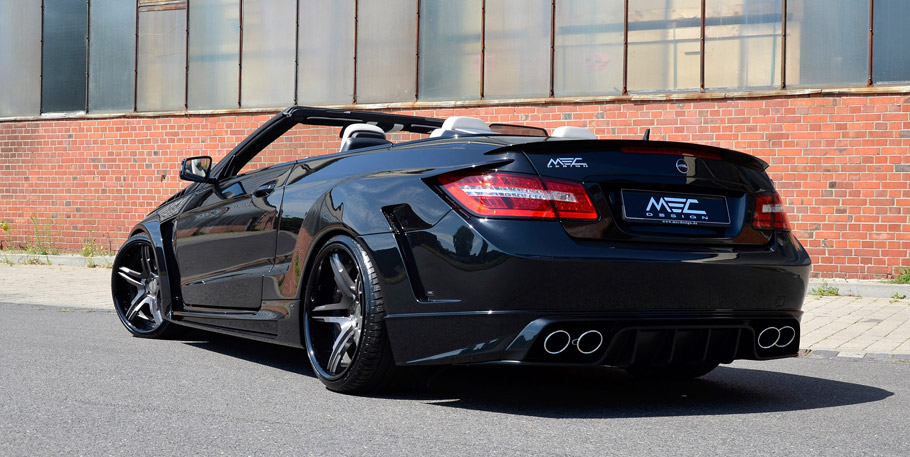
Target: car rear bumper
495, 291
623, 339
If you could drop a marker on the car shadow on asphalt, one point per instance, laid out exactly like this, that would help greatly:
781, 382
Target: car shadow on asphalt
579, 392
604, 392
285, 358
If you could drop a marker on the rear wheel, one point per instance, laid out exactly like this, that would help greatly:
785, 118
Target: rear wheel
670, 373
343, 325
136, 287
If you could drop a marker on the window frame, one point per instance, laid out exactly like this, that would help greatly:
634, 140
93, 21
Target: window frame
482, 98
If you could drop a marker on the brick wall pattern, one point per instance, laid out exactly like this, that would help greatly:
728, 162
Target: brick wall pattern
841, 163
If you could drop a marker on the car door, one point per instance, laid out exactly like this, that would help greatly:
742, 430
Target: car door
227, 242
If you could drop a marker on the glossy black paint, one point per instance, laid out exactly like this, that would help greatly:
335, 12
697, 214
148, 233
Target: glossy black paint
240, 211
463, 289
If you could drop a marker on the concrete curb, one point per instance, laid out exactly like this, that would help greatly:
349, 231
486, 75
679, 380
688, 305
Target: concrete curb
859, 288
71, 260
876, 356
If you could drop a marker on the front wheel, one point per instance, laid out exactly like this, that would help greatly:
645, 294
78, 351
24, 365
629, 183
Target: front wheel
136, 288
343, 320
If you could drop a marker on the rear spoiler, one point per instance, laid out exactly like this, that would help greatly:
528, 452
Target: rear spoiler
646, 147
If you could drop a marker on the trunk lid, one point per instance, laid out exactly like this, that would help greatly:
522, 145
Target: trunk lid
656, 191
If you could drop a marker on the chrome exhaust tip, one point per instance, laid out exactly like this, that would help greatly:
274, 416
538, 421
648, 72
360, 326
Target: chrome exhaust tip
787, 335
768, 338
557, 342
589, 342
776, 337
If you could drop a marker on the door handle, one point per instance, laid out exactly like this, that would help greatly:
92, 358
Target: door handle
264, 190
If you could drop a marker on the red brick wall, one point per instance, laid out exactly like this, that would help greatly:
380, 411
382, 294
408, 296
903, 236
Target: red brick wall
842, 164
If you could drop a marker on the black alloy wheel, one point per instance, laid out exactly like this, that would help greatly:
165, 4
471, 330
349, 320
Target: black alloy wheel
136, 286
343, 324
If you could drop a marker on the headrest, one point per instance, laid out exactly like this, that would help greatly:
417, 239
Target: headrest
573, 132
466, 124
355, 128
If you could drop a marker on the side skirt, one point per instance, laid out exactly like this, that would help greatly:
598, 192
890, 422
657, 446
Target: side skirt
276, 321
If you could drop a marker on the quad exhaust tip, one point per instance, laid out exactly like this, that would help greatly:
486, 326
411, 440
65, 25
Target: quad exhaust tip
557, 341
776, 337
589, 342
560, 340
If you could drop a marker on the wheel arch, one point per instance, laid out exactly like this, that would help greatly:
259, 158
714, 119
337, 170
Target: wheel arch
319, 241
147, 280
170, 280
371, 366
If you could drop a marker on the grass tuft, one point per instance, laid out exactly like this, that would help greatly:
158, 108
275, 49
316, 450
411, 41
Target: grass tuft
825, 290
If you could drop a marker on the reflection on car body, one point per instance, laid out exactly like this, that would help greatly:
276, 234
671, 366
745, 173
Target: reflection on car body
476, 244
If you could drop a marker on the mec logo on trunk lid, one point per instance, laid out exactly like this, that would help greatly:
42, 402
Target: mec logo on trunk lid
566, 162
673, 205
668, 208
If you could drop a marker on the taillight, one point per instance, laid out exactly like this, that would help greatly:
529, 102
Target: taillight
510, 195
570, 200
769, 213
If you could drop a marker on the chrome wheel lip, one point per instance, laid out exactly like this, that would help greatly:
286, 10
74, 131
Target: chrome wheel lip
137, 288
346, 313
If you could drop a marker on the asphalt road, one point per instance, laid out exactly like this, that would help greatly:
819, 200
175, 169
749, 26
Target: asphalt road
73, 382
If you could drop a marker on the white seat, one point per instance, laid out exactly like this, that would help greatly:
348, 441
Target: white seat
463, 124
356, 136
574, 132
354, 128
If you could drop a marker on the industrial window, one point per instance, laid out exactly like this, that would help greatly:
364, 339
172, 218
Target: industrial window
326, 52
743, 44
268, 53
449, 50
214, 62
387, 54
161, 72
63, 57
827, 43
20, 57
245, 54
891, 61
517, 56
589, 47
664, 45
112, 55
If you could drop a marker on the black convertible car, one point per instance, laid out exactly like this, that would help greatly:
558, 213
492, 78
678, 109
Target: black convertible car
475, 244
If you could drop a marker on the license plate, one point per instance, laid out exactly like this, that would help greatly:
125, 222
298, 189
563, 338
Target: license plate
670, 208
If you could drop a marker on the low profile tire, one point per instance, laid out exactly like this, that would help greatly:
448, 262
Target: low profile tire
343, 320
670, 373
136, 287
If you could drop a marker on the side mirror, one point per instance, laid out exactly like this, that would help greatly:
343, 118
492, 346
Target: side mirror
196, 169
